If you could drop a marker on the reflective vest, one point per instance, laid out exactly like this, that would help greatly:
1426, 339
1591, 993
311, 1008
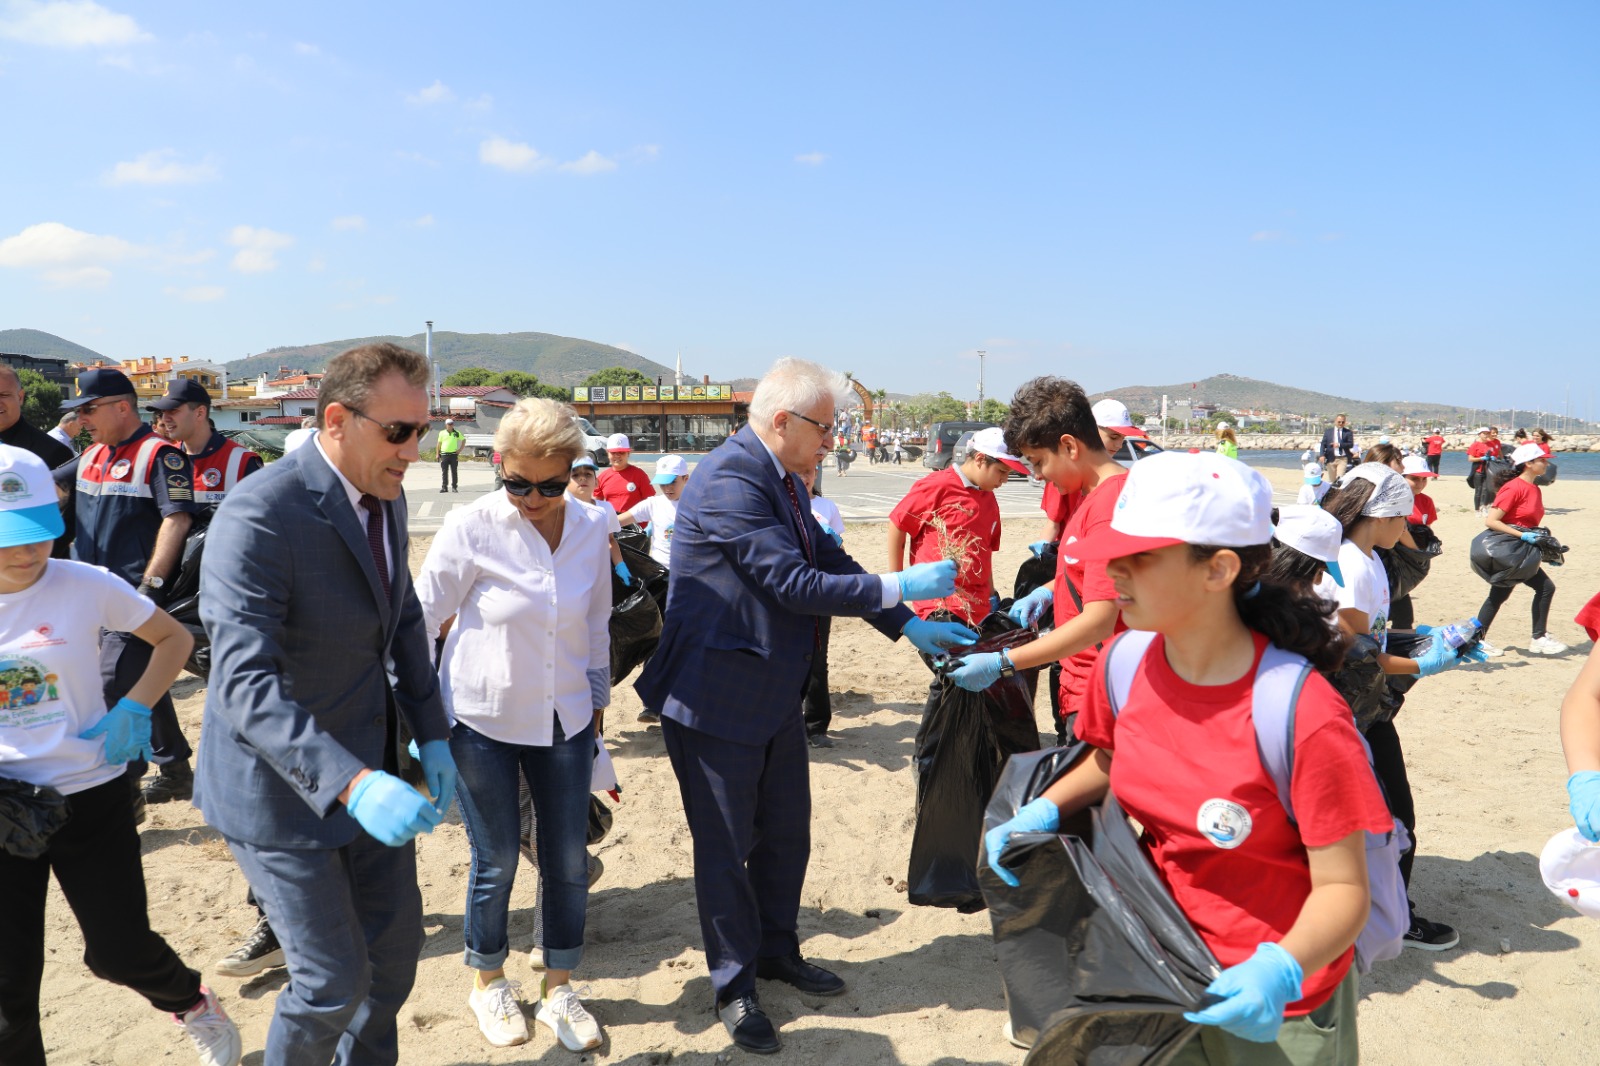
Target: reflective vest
216, 474
128, 475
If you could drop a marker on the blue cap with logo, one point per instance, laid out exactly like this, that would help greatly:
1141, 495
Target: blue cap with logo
29, 513
101, 383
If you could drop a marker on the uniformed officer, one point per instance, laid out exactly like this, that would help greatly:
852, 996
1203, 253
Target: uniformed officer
133, 497
450, 442
185, 417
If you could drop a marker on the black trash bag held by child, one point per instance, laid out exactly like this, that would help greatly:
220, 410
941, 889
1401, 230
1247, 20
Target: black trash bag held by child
1036, 571
1549, 475
961, 748
183, 602
635, 545
1097, 960
29, 816
1501, 559
635, 626
1406, 566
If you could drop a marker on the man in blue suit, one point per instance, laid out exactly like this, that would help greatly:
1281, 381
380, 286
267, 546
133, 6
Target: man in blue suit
752, 573
318, 648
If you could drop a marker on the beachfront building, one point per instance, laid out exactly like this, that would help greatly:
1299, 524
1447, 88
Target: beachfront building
665, 418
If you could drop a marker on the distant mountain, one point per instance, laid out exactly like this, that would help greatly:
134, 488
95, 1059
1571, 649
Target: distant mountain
1236, 393
47, 345
554, 360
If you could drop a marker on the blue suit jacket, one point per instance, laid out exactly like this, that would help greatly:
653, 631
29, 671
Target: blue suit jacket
300, 637
736, 643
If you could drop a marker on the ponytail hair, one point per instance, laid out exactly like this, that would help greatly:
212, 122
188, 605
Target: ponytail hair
1296, 620
1504, 475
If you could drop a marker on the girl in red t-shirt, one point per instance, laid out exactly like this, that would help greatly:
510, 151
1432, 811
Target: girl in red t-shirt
1279, 902
1518, 507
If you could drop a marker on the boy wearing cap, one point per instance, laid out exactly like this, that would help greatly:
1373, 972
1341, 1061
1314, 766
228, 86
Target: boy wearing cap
1418, 470
661, 512
184, 416
67, 741
954, 511
580, 486
1115, 425
1314, 488
624, 486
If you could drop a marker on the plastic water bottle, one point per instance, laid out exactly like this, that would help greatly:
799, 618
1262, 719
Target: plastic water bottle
1459, 634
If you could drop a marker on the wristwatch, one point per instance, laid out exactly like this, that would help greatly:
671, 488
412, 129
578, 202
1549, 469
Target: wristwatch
1007, 667
154, 582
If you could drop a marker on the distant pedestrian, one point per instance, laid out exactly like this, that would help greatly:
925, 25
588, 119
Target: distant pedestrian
450, 442
1433, 447
66, 430
1338, 449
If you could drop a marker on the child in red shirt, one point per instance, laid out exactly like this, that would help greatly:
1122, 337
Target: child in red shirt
1517, 508
624, 486
1424, 511
1279, 902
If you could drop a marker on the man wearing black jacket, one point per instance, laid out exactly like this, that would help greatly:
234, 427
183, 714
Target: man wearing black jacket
1338, 448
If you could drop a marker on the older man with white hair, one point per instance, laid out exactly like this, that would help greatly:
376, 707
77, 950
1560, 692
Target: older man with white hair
752, 575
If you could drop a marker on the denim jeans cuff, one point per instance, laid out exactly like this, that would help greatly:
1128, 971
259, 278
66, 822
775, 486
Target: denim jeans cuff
490, 961
563, 958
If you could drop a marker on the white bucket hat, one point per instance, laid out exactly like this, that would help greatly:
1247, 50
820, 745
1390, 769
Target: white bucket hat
1310, 530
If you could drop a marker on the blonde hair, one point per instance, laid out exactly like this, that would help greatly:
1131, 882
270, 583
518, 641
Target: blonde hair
539, 429
1226, 433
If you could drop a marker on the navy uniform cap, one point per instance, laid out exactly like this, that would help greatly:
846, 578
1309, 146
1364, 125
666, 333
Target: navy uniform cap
180, 392
101, 383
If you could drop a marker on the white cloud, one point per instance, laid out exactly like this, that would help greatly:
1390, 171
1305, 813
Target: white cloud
1265, 235
592, 163
304, 49
159, 167
645, 153
257, 248
422, 221
197, 294
811, 159
349, 222
68, 24
482, 103
416, 157
437, 93
89, 277
53, 245
511, 155
317, 264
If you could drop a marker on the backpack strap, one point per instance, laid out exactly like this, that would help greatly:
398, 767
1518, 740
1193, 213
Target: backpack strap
1279, 679
1120, 662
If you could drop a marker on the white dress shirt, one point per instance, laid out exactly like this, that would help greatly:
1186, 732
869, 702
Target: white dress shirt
531, 640
355, 495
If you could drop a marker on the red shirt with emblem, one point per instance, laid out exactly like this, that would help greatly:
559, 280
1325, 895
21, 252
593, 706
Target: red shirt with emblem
1424, 511
623, 489
1092, 513
970, 515
1184, 761
1522, 503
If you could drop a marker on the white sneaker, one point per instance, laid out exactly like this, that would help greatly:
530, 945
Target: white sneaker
1489, 650
499, 1014
562, 1010
213, 1032
1546, 645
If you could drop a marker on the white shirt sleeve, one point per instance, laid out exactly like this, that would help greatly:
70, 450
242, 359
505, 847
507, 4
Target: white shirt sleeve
446, 576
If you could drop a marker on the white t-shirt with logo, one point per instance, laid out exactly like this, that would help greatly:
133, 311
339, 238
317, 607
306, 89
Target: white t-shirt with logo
662, 514
1366, 589
50, 673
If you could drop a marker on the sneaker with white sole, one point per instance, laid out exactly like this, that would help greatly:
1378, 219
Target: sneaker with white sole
215, 1036
1430, 936
1490, 651
1546, 645
260, 951
562, 1010
499, 1014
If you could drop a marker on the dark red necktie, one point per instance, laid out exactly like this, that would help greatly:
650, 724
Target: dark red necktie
805, 546
374, 511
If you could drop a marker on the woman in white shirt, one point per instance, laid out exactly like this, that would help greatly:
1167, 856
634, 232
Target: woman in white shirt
519, 581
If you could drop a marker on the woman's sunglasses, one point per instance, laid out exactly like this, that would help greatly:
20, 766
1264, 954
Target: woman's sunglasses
548, 489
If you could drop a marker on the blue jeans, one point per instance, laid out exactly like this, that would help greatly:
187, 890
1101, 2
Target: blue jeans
559, 777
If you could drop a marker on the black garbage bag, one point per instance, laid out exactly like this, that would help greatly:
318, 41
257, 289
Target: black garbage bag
635, 626
1551, 551
635, 545
29, 814
1363, 684
1406, 566
1097, 960
1501, 559
1035, 572
1549, 475
183, 601
600, 819
961, 748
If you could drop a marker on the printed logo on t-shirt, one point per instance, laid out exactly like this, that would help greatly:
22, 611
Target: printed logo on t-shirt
120, 468
1073, 540
13, 488
28, 694
1224, 823
632, 487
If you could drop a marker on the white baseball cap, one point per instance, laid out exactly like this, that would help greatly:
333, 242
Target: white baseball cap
29, 513
1526, 453
449, 421
618, 442
1314, 474
1570, 866
1113, 415
1310, 530
669, 468
1483, 429
1415, 466
1223, 425
1184, 498
992, 442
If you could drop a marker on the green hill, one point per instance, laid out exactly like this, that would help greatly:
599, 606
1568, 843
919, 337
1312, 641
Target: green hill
1235, 393
554, 360
45, 345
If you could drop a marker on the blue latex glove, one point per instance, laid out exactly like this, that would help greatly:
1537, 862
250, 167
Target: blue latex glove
932, 638
1254, 994
928, 581
1583, 788
126, 728
1040, 816
1422, 631
1530, 537
1038, 548
1441, 656
977, 672
439, 773
1028, 610
622, 571
391, 810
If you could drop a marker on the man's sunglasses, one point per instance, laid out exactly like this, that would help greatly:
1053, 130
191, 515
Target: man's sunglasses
396, 432
548, 489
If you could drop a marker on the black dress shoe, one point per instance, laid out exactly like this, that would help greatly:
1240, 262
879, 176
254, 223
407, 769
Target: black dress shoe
793, 970
174, 781
820, 740
749, 1025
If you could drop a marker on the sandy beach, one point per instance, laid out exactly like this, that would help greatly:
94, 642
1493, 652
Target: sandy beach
1485, 765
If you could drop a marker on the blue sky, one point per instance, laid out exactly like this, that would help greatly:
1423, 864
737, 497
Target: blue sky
1378, 200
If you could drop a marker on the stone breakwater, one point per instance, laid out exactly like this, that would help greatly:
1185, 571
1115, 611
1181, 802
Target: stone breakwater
1299, 442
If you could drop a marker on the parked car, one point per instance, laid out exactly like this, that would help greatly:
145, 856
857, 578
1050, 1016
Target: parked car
942, 439
1135, 448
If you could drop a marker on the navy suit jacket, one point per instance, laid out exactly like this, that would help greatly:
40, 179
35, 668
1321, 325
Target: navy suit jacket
301, 641
1346, 439
737, 639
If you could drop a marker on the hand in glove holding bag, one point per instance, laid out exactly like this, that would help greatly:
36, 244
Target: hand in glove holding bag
1040, 816
978, 671
928, 581
622, 571
126, 728
1028, 610
1528, 537
932, 638
1254, 995
1038, 548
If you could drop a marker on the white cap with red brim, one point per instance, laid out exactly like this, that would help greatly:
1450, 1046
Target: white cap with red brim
992, 442
1184, 498
1113, 415
1526, 453
1415, 466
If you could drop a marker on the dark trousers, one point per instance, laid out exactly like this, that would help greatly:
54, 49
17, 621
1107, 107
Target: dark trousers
449, 462
1482, 492
1402, 614
1389, 764
1544, 590
95, 858
749, 811
818, 703
123, 658
1433, 462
